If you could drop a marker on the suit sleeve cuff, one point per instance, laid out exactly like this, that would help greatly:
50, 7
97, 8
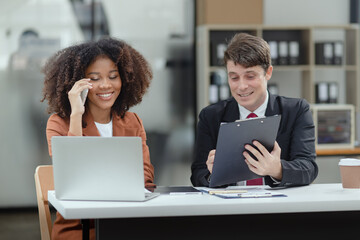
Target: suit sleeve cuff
276, 182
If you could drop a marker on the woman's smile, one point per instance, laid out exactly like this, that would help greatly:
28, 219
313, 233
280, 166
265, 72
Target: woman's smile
105, 96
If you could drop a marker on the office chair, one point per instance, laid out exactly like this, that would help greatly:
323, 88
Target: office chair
44, 181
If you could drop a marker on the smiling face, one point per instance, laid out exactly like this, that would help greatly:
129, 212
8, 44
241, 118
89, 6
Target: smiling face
248, 85
106, 84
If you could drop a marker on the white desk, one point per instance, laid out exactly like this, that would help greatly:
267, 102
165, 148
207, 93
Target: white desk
314, 198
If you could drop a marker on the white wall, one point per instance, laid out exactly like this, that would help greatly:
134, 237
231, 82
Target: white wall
306, 12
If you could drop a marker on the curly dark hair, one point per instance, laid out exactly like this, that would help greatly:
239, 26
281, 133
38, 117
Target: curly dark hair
67, 66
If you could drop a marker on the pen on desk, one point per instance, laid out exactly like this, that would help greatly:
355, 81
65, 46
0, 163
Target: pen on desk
184, 193
227, 191
255, 195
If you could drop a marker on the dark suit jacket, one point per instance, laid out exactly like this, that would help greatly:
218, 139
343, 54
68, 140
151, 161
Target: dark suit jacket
295, 136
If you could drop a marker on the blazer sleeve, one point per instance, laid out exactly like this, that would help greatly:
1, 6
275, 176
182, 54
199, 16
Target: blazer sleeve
206, 137
56, 126
298, 160
148, 167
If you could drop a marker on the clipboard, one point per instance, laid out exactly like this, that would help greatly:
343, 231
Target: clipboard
229, 163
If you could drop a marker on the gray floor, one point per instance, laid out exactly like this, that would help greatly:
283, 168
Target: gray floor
19, 224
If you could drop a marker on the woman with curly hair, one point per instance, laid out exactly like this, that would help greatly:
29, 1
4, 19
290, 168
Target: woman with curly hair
116, 77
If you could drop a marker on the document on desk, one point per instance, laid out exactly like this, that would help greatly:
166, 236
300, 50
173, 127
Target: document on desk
244, 192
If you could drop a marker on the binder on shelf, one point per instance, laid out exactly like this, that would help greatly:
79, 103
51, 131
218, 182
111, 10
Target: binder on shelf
324, 53
216, 48
319, 53
274, 52
283, 53
218, 89
213, 93
338, 53
322, 92
333, 92
220, 50
294, 52
327, 92
224, 92
328, 53
214, 88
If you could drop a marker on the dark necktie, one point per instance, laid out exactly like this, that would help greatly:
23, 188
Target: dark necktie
256, 181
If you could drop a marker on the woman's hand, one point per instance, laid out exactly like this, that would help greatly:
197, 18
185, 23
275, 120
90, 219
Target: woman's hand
77, 105
74, 95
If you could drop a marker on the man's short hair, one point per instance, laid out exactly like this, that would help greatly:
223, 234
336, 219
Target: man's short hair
248, 51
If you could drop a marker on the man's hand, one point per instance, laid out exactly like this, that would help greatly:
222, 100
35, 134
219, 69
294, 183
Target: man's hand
210, 160
267, 163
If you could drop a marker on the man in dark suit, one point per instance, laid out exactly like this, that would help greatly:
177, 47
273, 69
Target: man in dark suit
292, 161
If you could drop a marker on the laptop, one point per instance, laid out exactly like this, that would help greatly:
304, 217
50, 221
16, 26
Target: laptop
229, 163
99, 168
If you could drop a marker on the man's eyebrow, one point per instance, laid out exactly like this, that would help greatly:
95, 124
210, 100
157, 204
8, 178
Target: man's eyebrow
250, 71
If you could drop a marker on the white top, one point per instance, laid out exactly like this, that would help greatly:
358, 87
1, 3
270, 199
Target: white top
312, 198
105, 129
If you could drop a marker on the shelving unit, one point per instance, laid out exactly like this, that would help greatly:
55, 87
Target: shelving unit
306, 71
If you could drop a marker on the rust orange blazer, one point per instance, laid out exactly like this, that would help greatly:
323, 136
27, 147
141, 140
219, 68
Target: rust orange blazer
130, 125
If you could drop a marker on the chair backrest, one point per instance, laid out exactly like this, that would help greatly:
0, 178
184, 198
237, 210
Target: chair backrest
44, 181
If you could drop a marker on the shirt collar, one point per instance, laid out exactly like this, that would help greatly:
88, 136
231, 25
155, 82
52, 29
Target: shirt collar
260, 111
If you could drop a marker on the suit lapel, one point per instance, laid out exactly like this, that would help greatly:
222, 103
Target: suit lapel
231, 113
272, 107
